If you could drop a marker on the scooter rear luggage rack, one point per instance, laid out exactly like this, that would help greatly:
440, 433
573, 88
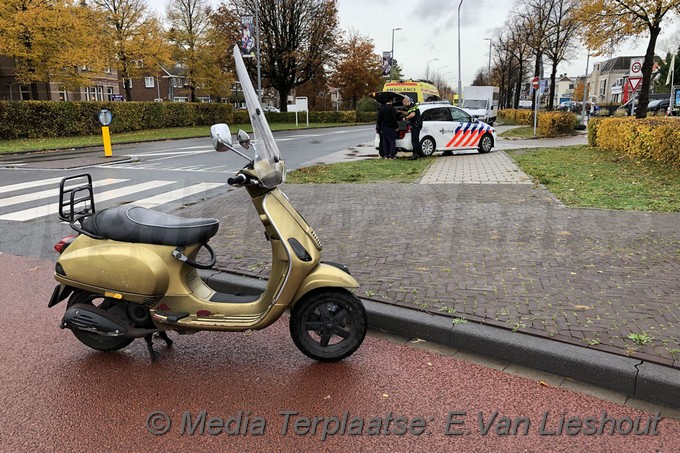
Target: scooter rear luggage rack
71, 197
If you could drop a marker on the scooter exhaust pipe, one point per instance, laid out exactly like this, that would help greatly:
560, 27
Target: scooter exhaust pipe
88, 318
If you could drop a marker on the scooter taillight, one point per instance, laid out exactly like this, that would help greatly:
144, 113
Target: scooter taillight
61, 245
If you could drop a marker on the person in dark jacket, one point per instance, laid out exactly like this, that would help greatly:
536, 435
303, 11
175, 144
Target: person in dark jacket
387, 125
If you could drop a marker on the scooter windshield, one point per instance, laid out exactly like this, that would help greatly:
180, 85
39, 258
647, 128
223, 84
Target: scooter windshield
269, 167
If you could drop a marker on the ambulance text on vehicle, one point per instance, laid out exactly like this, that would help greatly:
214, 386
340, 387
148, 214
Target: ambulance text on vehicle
417, 90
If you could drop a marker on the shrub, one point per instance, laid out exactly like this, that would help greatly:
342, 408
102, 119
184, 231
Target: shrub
653, 138
366, 117
241, 117
34, 119
367, 104
593, 124
553, 124
520, 116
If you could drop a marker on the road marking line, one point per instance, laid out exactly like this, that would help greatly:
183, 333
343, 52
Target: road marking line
177, 194
53, 208
50, 193
29, 185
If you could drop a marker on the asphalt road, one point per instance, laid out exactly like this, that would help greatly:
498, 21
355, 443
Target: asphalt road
190, 169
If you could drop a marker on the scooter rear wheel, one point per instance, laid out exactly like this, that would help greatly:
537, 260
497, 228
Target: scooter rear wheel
328, 325
94, 341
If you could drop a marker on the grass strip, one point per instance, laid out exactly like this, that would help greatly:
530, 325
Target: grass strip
583, 176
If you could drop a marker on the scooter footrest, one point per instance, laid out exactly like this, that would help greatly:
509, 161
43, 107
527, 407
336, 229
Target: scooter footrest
172, 317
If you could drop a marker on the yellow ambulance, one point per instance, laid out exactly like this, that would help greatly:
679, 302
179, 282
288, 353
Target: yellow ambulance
417, 90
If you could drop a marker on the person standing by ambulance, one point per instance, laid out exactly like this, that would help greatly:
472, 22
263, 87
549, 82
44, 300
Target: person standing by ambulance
387, 125
412, 115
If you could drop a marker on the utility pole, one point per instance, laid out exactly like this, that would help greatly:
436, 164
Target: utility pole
257, 43
460, 83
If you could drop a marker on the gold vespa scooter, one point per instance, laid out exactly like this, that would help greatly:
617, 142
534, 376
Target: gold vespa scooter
132, 272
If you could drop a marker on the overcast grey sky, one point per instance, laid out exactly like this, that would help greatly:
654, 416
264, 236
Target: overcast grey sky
429, 30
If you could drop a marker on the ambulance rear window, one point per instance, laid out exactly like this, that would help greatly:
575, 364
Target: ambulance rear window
412, 94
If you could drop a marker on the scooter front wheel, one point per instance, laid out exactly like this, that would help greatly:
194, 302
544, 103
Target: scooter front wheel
329, 324
94, 341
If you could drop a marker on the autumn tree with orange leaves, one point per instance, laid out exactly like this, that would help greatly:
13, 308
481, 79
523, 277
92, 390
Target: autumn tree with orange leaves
52, 40
608, 21
136, 38
358, 71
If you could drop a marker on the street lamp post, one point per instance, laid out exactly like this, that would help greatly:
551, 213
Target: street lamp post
460, 84
427, 68
392, 51
489, 39
585, 90
436, 74
257, 50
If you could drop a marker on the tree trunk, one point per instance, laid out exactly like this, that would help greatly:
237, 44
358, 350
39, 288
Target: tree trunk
518, 87
647, 66
283, 100
553, 75
128, 89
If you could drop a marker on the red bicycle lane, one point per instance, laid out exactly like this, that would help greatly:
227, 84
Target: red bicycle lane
232, 392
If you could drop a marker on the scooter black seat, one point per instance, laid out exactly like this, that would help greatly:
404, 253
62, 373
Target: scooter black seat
131, 223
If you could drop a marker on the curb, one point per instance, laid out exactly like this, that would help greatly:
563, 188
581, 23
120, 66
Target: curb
644, 380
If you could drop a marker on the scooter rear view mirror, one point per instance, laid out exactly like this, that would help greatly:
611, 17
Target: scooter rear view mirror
221, 137
243, 138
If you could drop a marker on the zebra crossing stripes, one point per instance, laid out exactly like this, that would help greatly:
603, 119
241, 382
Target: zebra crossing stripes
28, 185
181, 168
176, 194
45, 202
18, 199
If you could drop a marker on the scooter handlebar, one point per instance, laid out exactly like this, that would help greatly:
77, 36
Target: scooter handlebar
238, 179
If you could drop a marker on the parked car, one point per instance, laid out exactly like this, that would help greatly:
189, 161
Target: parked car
573, 106
626, 108
568, 106
270, 108
445, 128
658, 106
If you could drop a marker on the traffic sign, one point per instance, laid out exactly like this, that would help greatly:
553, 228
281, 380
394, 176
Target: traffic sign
634, 83
105, 117
635, 69
534, 83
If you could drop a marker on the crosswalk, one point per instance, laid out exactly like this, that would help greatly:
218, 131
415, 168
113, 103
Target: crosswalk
30, 200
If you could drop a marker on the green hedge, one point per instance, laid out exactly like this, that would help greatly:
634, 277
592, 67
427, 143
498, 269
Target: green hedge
343, 116
555, 124
550, 124
35, 119
520, 116
38, 119
654, 138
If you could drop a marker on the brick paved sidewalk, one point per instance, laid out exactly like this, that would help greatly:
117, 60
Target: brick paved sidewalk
504, 255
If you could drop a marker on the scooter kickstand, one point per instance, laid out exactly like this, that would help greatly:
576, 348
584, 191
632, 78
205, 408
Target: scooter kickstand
149, 345
164, 336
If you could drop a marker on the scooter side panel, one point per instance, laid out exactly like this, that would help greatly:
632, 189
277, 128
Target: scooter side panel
116, 266
286, 224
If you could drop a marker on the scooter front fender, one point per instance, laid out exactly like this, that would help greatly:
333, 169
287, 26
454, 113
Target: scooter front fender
324, 275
